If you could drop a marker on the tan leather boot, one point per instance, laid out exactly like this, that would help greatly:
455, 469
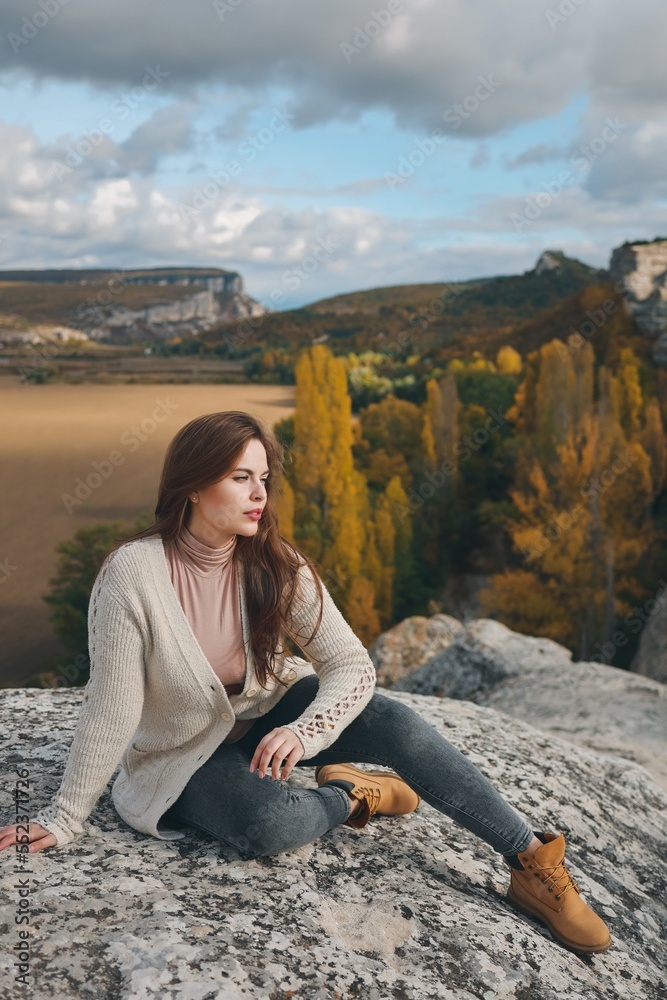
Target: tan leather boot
543, 888
381, 792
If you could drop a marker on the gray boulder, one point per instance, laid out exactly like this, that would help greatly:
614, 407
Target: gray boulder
409, 644
408, 908
651, 657
593, 705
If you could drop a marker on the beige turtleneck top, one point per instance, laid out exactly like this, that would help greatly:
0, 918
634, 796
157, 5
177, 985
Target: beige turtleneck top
206, 582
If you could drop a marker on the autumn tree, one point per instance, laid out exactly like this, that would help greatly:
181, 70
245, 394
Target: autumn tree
582, 493
652, 440
285, 508
440, 430
508, 361
389, 440
331, 504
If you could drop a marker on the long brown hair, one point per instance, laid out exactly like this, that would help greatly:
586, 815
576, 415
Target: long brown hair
202, 452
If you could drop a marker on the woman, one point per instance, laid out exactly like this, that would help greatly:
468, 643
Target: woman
192, 691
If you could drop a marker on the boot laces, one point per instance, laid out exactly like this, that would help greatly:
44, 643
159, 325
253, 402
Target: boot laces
372, 796
554, 874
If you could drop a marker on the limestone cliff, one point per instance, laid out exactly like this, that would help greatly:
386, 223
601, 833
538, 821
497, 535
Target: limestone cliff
407, 908
641, 272
140, 303
217, 303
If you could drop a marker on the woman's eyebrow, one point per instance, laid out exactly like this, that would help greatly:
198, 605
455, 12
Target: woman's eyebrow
239, 469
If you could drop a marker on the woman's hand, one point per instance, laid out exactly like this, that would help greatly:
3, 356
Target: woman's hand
38, 838
280, 744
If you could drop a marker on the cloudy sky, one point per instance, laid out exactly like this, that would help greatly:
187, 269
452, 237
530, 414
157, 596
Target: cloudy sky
324, 146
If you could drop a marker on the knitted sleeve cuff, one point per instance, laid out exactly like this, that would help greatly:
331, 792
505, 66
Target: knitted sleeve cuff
51, 821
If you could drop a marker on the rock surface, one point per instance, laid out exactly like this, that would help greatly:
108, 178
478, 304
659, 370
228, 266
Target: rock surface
534, 679
548, 261
407, 908
409, 644
651, 657
207, 298
196, 313
642, 269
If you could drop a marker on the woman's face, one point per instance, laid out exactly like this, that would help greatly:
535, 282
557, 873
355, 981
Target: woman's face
221, 510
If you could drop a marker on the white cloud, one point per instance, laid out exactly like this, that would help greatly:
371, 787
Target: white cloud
110, 201
135, 221
111, 208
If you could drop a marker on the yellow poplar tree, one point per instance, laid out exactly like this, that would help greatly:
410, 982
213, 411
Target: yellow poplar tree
630, 397
508, 361
440, 431
343, 487
427, 435
312, 424
285, 509
652, 439
330, 493
312, 441
441, 411
379, 564
404, 561
554, 393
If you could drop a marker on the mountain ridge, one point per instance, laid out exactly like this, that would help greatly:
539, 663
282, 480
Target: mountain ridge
565, 265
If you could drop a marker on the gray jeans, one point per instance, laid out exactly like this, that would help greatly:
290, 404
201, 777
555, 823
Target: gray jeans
253, 816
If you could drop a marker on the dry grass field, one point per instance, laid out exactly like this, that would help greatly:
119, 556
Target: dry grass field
51, 436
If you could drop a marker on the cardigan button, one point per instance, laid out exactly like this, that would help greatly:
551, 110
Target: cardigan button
292, 674
251, 692
226, 716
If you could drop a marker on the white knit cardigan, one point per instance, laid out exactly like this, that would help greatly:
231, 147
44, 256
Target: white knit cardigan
154, 703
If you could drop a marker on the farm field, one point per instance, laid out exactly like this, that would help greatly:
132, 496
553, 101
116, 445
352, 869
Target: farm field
112, 367
52, 435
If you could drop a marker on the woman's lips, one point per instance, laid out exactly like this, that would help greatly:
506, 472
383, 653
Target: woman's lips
254, 515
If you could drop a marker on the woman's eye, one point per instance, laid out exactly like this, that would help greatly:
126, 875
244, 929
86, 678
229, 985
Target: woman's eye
241, 478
